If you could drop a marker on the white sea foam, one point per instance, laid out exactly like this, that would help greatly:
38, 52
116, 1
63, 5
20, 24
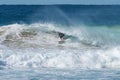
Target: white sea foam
36, 46
61, 58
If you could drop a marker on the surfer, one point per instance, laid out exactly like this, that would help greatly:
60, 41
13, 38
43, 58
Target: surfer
61, 37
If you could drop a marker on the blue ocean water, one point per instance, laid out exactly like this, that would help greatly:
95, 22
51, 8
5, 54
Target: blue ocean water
60, 14
30, 48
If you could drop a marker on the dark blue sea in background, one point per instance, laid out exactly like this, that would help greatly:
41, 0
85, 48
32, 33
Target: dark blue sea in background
61, 14
30, 48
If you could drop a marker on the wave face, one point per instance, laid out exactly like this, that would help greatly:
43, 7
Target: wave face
30, 38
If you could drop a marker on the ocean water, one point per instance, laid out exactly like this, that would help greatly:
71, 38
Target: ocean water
30, 48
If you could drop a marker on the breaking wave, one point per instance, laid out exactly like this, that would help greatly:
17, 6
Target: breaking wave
36, 46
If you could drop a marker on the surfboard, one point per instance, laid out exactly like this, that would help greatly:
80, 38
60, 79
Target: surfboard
61, 42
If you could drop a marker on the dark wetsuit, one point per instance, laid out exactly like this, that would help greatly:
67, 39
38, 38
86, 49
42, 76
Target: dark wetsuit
61, 35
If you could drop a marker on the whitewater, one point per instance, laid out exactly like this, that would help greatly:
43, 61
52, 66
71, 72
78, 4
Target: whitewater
31, 50
36, 45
